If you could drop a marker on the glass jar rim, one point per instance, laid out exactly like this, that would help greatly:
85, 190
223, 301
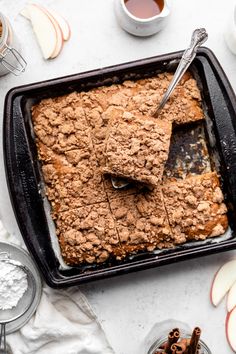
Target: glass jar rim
163, 339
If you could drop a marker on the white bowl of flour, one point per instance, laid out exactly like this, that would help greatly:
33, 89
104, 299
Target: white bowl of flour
14, 283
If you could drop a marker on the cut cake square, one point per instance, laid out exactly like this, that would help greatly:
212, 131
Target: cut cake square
137, 148
142, 224
88, 234
195, 207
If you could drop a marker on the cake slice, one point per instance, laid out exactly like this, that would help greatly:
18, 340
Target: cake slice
88, 234
70, 187
72, 179
141, 222
137, 148
195, 207
60, 126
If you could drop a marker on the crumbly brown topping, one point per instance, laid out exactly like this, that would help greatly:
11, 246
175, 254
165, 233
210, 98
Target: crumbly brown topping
70, 168
183, 105
88, 234
93, 220
195, 207
137, 147
74, 187
140, 97
141, 221
61, 127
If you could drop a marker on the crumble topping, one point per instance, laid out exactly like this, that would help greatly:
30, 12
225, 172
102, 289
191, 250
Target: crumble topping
137, 147
141, 222
183, 105
195, 207
88, 234
139, 97
73, 187
93, 220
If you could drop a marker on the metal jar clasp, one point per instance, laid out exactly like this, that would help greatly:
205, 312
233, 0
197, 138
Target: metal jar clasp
12, 60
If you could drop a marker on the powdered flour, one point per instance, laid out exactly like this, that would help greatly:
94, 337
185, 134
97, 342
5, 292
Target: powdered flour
13, 284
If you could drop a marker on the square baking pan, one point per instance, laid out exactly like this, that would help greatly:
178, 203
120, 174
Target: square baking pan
25, 180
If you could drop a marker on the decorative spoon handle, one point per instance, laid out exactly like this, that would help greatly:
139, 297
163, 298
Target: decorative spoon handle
199, 36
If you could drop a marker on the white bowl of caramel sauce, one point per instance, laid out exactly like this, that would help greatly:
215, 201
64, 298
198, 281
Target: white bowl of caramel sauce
142, 18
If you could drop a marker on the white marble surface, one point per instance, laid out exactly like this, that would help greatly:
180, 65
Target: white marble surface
128, 306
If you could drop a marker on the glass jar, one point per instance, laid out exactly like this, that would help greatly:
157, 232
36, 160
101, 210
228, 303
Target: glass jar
11, 60
159, 335
156, 346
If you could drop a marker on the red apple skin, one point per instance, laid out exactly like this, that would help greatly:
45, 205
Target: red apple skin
231, 298
66, 36
229, 314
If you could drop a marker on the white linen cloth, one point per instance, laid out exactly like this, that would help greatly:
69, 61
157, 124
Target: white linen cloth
63, 323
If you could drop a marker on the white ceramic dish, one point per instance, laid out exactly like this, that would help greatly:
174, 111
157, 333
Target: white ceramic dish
141, 26
230, 31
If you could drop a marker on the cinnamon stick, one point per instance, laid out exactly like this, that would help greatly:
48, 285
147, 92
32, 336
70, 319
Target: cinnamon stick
194, 341
178, 348
173, 337
185, 341
198, 348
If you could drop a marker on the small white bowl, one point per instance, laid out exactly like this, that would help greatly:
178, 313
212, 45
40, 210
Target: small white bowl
139, 26
230, 32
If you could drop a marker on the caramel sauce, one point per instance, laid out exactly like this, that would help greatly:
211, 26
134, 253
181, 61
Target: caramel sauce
144, 8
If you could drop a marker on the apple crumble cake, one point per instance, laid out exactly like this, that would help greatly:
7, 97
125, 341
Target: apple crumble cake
195, 207
88, 234
137, 147
94, 222
141, 221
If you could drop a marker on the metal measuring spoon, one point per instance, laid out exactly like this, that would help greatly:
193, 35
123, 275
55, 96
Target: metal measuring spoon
199, 36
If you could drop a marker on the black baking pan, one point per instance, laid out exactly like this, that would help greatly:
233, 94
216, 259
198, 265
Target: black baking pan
24, 175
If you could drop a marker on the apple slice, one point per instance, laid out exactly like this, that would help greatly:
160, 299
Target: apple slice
44, 30
59, 42
65, 28
63, 24
230, 328
25, 13
231, 298
222, 282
